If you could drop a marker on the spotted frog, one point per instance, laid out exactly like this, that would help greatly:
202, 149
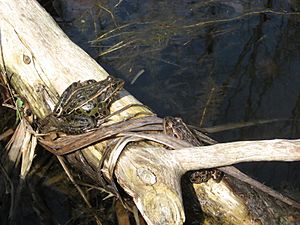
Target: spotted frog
83, 104
176, 127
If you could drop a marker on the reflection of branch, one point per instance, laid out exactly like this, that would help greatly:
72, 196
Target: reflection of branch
210, 22
239, 72
210, 100
295, 115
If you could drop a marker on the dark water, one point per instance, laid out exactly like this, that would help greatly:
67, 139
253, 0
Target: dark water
209, 62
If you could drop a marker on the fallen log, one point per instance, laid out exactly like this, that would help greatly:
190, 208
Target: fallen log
40, 62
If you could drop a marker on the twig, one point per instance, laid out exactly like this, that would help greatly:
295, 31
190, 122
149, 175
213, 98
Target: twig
6, 134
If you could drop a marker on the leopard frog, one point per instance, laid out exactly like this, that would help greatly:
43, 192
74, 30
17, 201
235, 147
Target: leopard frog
176, 127
83, 104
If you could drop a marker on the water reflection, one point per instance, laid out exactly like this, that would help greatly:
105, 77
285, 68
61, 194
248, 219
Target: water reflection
202, 60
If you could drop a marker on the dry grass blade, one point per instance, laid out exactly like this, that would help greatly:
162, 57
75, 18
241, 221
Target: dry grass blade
22, 142
28, 150
108, 11
116, 47
15, 144
112, 160
6, 134
105, 35
73, 143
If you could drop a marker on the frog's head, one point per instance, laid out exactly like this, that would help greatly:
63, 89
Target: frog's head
116, 83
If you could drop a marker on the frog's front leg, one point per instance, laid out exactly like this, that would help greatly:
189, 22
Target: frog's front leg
49, 123
77, 124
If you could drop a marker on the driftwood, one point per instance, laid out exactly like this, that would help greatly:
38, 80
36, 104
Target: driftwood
41, 62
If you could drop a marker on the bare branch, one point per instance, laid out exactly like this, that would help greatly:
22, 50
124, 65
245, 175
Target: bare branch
224, 154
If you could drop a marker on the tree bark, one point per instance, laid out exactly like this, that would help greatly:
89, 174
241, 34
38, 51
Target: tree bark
41, 62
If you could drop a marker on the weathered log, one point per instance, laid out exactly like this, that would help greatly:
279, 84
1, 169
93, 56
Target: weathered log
41, 62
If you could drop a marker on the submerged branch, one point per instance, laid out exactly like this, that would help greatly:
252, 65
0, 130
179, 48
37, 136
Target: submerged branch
226, 20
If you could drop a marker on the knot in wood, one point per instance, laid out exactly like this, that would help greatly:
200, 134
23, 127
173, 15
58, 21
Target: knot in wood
26, 59
146, 176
